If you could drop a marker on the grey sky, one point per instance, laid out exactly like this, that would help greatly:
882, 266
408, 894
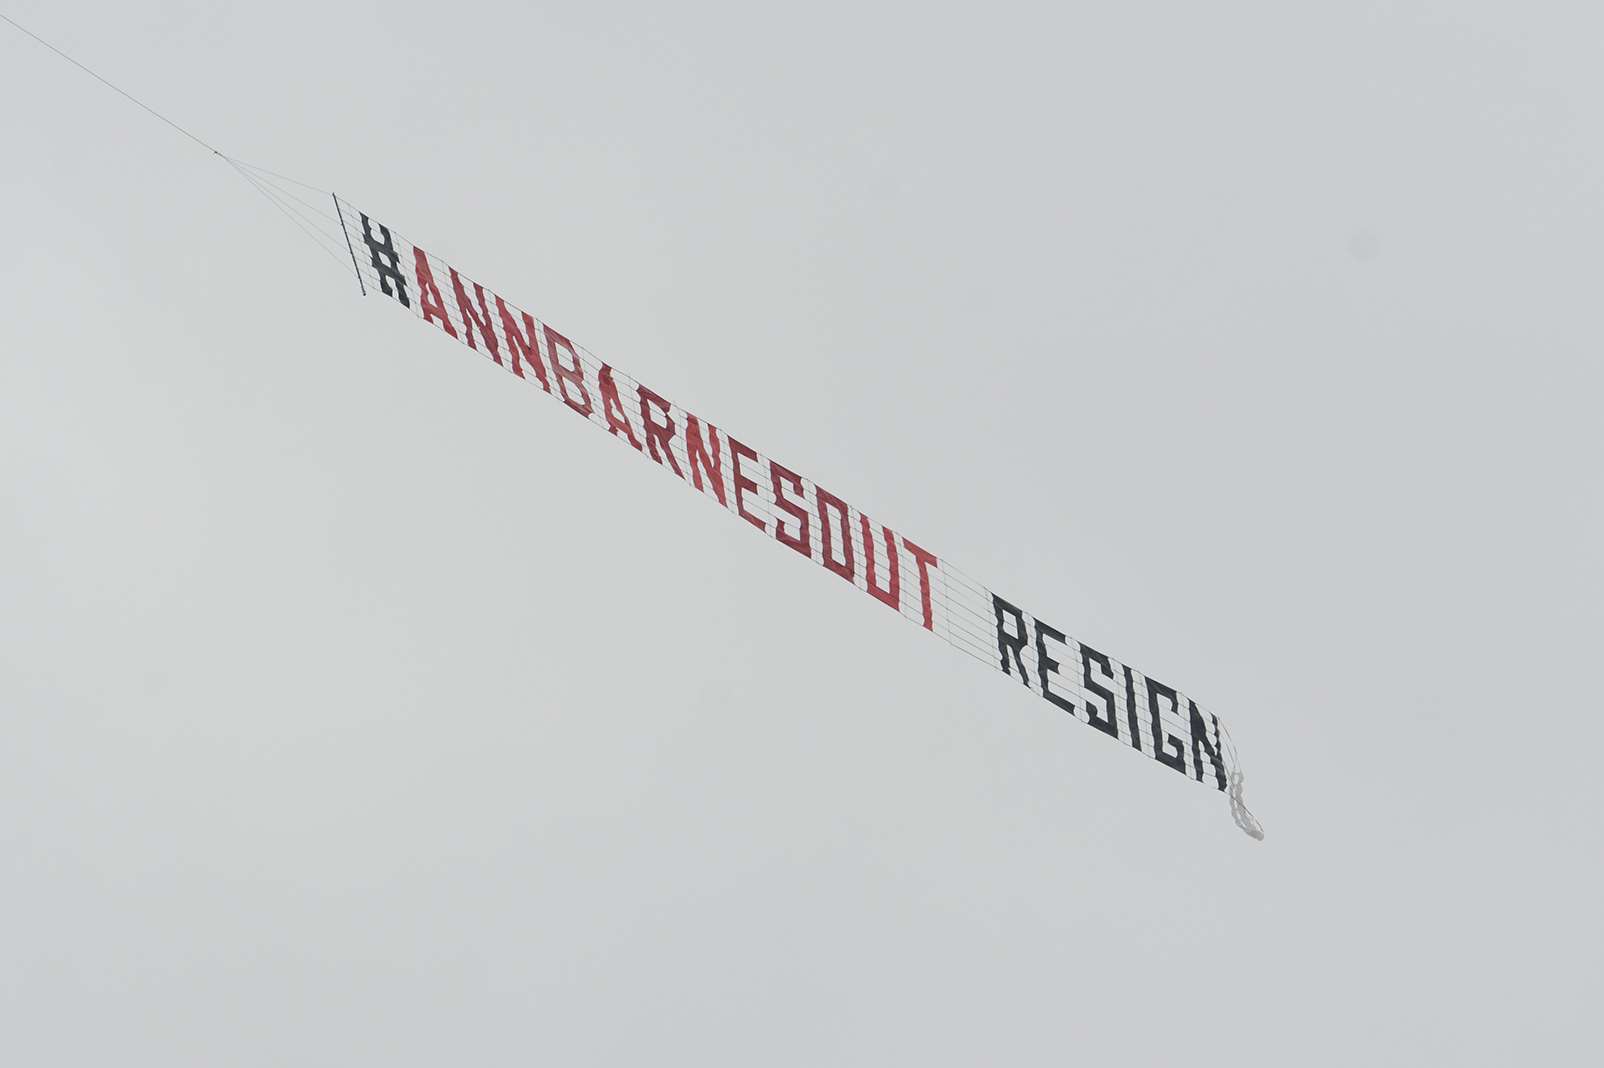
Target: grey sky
358, 707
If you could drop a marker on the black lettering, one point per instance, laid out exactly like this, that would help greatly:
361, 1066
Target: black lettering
1169, 749
1200, 737
1047, 665
1106, 722
1015, 641
1130, 710
385, 261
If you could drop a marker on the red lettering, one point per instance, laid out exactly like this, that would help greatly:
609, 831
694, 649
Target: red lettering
568, 376
658, 433
801, 541
699, 457
892, 594
742, 483
523, 346
429, 302
472, 323
613, 408
826, 501
925, 560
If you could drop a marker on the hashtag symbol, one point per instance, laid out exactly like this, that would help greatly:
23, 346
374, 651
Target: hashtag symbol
385, 261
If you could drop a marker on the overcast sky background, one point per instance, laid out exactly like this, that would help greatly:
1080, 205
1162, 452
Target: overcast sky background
360, 707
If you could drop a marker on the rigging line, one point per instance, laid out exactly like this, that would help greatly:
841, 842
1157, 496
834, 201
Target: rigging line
210, 148
299, 224
262, 176
323, 237
285, 177
325, 225
309, 207
213, 149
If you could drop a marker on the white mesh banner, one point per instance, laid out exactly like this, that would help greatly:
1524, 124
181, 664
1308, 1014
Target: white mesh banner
804, 517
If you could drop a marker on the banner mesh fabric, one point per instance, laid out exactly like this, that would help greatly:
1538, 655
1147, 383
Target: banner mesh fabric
929, 591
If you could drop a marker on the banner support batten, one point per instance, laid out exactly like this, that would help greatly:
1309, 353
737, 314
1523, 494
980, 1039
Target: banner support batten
348, 246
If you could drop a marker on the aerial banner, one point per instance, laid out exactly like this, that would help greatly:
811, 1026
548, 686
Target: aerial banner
1130, 707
